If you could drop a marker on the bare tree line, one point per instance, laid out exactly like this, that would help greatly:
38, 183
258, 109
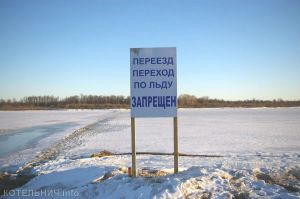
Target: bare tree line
72, 102
191, 101
119, 101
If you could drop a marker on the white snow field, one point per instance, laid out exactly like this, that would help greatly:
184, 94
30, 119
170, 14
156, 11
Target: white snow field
258, 149
24, 134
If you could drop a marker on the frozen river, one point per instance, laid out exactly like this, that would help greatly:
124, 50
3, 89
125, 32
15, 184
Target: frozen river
20, 139
252, 143
24, 134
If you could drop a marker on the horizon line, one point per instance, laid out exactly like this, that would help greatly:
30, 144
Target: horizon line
106, 95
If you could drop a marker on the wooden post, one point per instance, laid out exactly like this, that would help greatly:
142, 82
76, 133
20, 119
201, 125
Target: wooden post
133, 155
176, 154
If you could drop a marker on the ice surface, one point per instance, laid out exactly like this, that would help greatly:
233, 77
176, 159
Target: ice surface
26, 133
251, 141
201, 131
22, 119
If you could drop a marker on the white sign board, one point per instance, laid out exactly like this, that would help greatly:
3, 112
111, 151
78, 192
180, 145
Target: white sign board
153, 82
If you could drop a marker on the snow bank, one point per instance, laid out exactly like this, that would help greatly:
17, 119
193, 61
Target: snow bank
200, 177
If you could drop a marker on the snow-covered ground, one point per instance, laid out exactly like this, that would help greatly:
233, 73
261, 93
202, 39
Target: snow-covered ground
21, 119
201, 131
24, 134
259, 149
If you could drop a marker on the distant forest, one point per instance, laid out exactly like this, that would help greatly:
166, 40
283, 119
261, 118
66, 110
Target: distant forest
113, 101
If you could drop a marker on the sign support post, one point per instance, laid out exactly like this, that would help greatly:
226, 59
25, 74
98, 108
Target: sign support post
153, 91
176, 153
133, 168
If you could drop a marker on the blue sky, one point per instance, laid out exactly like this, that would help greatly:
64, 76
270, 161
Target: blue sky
225, 49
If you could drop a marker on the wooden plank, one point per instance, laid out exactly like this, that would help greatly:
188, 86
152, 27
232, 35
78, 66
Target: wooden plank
176, 153
133, 149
